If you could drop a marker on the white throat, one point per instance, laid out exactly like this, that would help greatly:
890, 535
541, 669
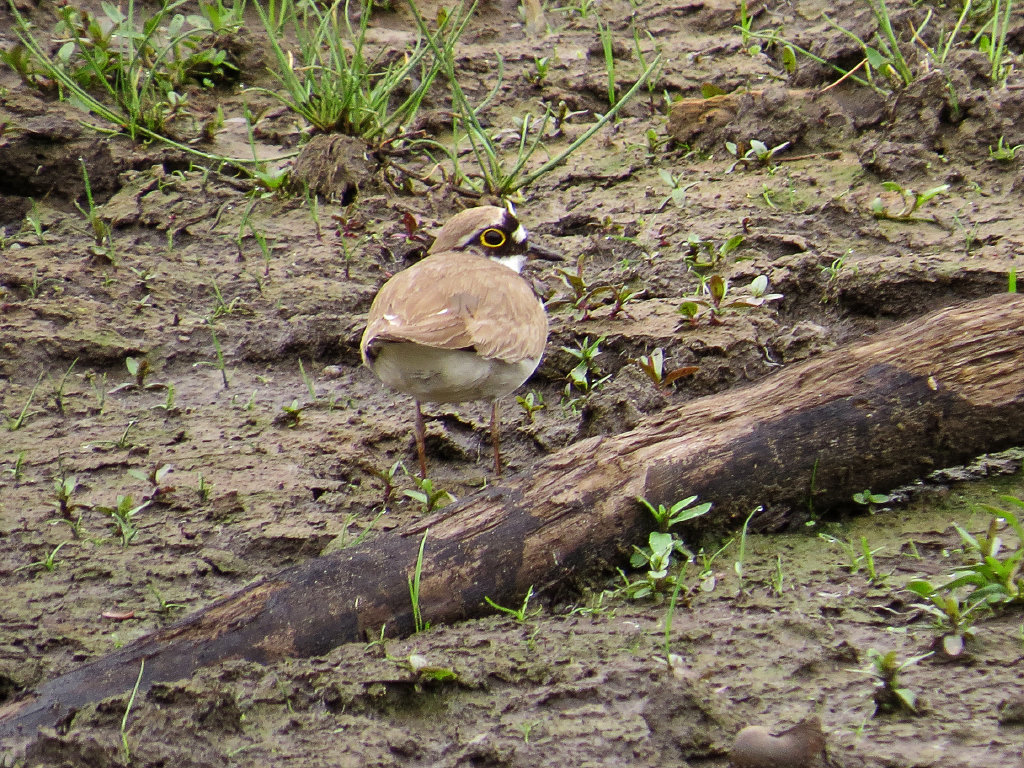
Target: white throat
514, 262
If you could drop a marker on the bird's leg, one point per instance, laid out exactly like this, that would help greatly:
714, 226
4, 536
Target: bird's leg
421, 444
495, 437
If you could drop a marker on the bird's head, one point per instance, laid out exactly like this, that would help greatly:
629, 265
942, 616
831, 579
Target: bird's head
490, 231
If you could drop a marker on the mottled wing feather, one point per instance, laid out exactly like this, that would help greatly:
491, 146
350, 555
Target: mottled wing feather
457, 301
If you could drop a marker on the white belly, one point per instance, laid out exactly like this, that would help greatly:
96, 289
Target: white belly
447, 375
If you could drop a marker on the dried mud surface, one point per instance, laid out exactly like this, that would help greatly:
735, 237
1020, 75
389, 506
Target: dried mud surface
585, 687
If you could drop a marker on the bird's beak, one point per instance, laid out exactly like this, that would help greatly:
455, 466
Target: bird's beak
538, 251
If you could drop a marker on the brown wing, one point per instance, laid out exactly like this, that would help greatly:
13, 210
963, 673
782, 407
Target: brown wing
458, 300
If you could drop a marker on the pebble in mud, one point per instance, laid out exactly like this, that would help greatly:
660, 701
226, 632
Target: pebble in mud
802, 746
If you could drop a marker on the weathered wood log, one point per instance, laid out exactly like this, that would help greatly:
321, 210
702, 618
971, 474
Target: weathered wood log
934, 392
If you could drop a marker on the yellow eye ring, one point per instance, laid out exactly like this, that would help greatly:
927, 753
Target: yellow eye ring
493, 238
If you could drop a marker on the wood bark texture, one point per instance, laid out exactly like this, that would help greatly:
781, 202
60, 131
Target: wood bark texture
931, 393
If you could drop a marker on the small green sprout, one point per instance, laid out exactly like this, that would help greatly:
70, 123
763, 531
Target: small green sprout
716, 301
680, 512
155, 478
203, 488
17, 470
653, 366
910, 200
870, 500
954, 617
859, 555
677, 189
163, 606
1003, 152
993, 575
890, 693
703, 254
531, 402
519, 614
758, 151
49, 563
122, 515
539, 74
19, 421
290, 416
582, 373
419, 624
426, 494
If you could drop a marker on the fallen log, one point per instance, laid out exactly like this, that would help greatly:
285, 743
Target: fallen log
931, 393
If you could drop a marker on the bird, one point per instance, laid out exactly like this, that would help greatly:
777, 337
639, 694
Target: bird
461, 324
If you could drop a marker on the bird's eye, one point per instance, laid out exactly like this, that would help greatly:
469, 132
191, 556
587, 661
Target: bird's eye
492, 238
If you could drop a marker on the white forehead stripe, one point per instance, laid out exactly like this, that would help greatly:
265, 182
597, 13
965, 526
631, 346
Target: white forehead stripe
519, 235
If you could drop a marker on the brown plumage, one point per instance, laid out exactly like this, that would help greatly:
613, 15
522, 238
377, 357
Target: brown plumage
461, 324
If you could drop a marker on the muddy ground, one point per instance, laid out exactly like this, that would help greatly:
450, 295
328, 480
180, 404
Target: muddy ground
250, 305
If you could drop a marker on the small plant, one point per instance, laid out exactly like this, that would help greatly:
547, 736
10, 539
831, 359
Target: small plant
742, 554
498, 176
122, 515
155, 478
583, 377
715, 301
1003, 152
581, 292
993, 42
658, 557
954, 618
63, 498
414, 589
539, 73
204, 488
48, 563
758, 151
290, 415
663, 552
426, 494
310, 384
222, 308
331, 82
677, 189
703, 254
17, 470
163, 606
101, 233
19, 421
831, 273
891, 695
653, 366
387, 477
859, 555
143, 275
126, 751
98, 384
531, 402
604, 32
680, 512
622, 294
167, 406
139, 369
993, 576
520, 614
910, 201
58, 391
220, 364
745, 28
870, 500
